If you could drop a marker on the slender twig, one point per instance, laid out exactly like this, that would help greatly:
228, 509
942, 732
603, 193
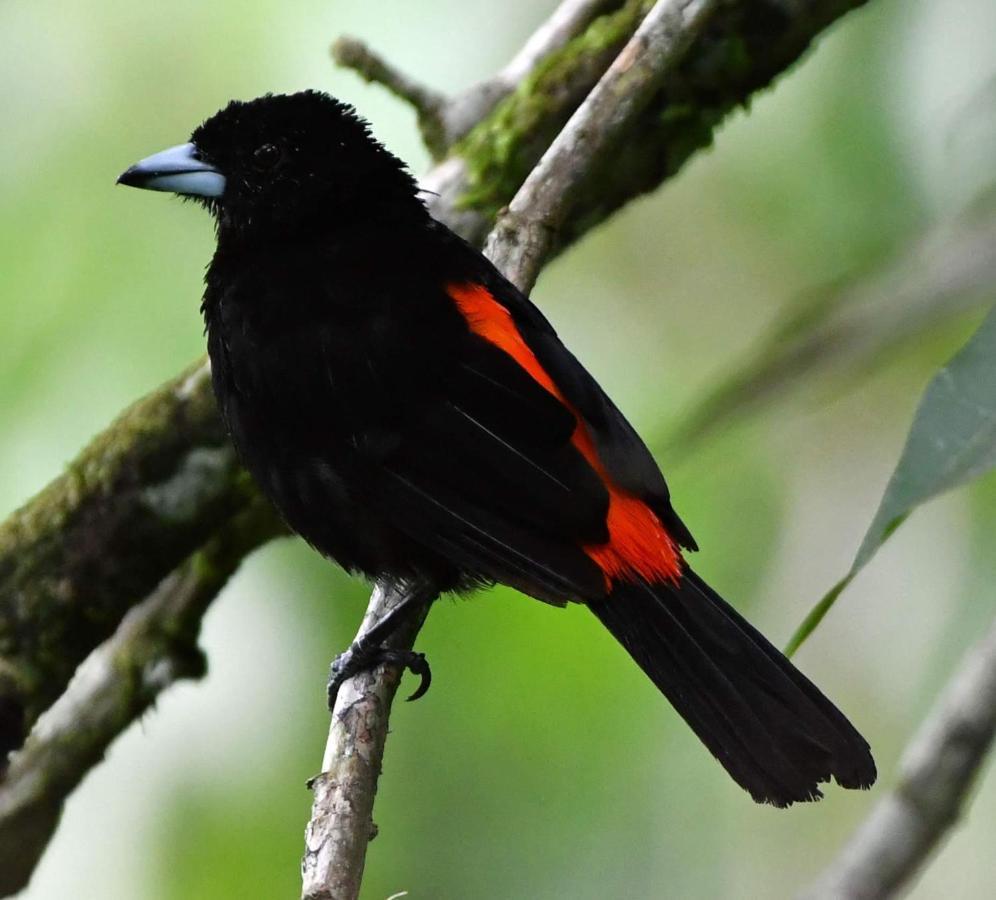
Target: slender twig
937, 771
155, 646
524, 233
352, 53
840, 329
341, 823
429, 105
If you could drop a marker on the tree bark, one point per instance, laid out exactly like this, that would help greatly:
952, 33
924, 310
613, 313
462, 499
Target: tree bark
936, 773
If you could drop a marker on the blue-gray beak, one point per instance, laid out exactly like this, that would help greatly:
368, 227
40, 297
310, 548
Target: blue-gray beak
178, 170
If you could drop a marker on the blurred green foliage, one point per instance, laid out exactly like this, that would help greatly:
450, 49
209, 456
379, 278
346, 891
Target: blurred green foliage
542, 763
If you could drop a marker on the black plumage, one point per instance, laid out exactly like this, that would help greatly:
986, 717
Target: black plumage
413, 416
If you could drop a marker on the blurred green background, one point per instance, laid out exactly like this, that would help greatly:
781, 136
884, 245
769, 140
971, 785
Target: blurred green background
542, 764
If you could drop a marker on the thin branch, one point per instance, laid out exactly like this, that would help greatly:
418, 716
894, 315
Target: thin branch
155, 646
354, 54
341, 822
524, 235
851, 326
429, 105
937, 771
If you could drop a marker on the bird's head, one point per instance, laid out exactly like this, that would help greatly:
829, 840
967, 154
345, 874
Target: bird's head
282, 163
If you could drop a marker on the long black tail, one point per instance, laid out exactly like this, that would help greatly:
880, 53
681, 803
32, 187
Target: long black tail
768, 724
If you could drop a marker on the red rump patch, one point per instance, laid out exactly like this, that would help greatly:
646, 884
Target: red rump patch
639, 545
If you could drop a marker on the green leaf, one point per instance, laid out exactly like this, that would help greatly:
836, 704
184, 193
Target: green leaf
952, 441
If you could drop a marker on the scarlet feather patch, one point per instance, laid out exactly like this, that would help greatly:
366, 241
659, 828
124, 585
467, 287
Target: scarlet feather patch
639, 546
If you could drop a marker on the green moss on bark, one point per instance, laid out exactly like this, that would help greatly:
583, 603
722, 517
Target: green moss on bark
501, 151
131, 507
744, 48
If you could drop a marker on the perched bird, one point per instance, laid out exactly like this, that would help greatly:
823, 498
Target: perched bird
414, 417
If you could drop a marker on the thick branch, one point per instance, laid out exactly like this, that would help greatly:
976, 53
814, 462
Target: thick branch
937, 771
155, 646
443, 121
142, 497
525, 232
747, 44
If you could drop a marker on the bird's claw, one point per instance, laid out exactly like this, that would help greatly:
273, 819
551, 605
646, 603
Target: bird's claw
359, 659
417, 664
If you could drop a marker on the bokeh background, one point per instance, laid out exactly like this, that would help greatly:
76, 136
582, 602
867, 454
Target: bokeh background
542, 764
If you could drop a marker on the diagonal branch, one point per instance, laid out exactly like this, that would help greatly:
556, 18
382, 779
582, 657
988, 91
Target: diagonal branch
936, 773
155, 646
139, 500
746, 46
443, 121
525, 233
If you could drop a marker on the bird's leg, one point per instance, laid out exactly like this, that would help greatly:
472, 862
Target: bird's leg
368, 651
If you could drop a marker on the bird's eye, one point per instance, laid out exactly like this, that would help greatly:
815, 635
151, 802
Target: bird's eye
266, 156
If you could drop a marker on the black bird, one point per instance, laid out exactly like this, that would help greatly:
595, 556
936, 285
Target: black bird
415, 418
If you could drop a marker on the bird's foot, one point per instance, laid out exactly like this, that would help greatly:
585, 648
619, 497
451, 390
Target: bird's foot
361, 657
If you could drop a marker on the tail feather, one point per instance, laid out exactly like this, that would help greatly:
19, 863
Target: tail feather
766, 723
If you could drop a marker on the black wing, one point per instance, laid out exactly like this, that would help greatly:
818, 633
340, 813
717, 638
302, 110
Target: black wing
489, 478
622, 451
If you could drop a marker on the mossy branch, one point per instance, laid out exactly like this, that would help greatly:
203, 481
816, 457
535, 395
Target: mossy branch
443, 121
527, 230
155, 646
747, 45
139, 500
